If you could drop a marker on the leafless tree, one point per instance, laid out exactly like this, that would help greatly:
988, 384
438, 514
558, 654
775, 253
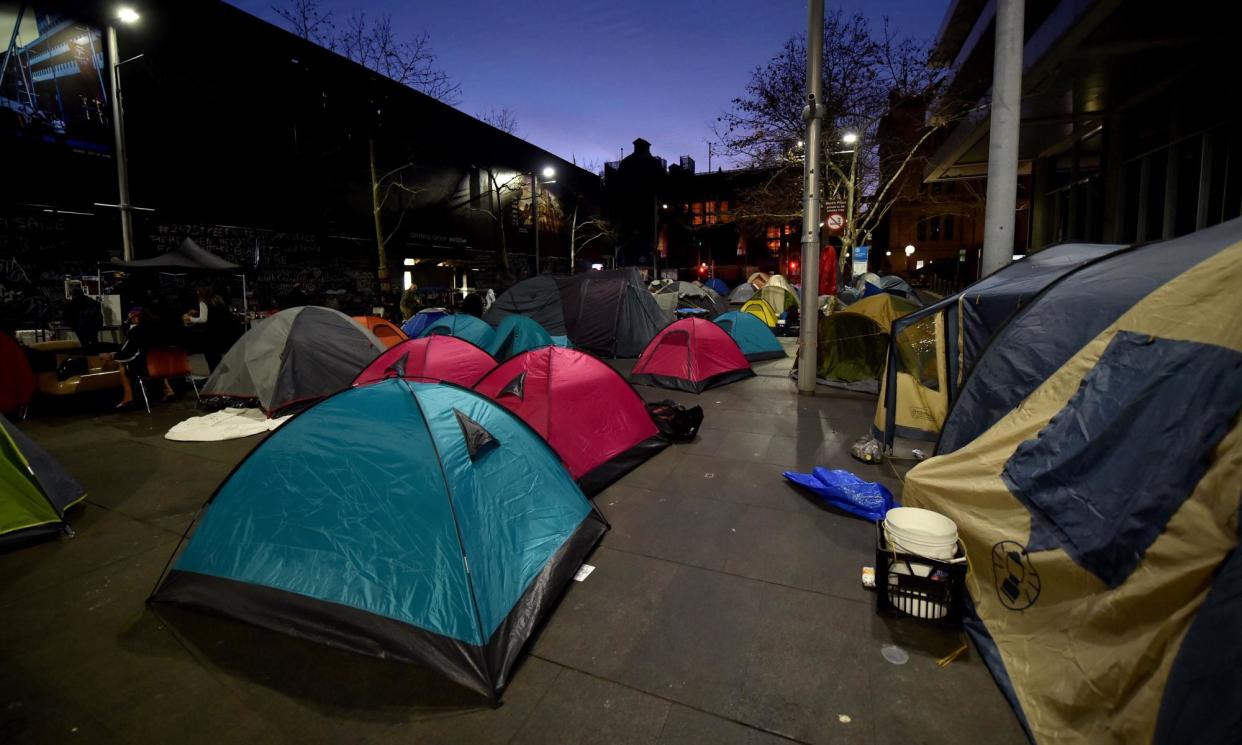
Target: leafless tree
497, 195
502, 119
309, 21
865, 72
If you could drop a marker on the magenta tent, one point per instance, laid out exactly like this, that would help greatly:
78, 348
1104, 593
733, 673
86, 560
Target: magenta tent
691, 355
430, 359
591, 417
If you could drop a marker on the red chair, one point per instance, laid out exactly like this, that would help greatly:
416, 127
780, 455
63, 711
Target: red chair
164, 363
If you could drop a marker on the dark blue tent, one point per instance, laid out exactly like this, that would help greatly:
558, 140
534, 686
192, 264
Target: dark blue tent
753, 336
718, 285
419, 322
420, 522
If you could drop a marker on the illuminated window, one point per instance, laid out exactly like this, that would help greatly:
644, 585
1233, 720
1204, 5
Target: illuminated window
711, 208
698, 219
774, 245
697, 208
685, 208
711, 219
407, 280
788, 230
773, 232
724, 205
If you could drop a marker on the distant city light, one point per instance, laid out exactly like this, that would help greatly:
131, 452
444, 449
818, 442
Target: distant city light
888, 253
126, 14
918, 265
597, 267
665, 206
849, 138
909, 250
549, 172
800, 143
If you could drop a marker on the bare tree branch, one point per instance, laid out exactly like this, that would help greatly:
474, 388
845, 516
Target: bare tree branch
502, 119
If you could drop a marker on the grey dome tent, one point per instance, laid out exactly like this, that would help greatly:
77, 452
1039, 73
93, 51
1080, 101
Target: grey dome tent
295, 357
537, 298
608, 313
741, 294
672, 296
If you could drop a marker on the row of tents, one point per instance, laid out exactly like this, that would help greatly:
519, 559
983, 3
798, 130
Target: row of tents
435, 509
1085, 406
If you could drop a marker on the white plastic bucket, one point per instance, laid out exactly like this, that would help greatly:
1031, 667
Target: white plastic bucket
923, 533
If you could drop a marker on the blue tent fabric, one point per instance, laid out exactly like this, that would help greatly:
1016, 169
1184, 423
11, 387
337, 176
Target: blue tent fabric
419, 322
718, 285
421, 522
752, 335
463, 326
516, 334
845, 491
561, 341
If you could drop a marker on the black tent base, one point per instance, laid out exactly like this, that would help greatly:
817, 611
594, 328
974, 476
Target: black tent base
690, 386
760, 356
603, 475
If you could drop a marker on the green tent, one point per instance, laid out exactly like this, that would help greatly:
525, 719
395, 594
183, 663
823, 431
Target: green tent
853, 343
35, 490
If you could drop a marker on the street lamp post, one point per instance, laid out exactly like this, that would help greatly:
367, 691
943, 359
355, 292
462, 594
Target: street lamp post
850, 139
548, 172
125, 15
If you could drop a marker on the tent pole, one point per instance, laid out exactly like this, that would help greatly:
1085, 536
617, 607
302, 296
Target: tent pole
245, 305
813, 115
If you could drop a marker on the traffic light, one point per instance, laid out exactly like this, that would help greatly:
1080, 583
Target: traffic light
793, 267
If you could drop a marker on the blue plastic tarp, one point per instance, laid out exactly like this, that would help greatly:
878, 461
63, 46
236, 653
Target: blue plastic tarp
845, 491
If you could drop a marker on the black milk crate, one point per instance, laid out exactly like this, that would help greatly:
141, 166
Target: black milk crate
919, 597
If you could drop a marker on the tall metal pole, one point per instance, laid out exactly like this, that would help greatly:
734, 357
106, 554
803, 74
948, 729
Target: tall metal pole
999, 216
813, 115
122, 164
534, 214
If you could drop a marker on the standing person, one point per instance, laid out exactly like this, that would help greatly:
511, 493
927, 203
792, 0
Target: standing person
472, 305
217, 322
409, 302
84, 316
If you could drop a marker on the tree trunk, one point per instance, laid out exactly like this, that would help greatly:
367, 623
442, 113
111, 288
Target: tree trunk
376, 211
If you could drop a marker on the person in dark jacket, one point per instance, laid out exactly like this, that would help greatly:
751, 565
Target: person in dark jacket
217, 321
143, 334
83, 315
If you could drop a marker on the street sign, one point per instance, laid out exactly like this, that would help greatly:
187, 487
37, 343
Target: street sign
860, 259
835, 221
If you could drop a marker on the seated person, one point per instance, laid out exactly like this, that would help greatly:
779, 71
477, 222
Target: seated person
140, 337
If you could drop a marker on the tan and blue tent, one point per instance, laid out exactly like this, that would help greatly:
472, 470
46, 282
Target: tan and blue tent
931, 350
1093, 464
35, 489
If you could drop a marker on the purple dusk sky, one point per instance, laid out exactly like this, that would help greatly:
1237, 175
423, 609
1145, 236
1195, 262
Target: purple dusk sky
586, 77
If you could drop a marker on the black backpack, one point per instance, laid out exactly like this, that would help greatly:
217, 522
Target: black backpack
676, 422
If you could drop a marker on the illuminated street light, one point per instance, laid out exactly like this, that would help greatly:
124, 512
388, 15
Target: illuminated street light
909, 250
665, 206
800, 143
849, 138
549, 172
888, 253
125, 14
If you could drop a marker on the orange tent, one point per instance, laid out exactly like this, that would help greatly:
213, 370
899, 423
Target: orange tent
386, 332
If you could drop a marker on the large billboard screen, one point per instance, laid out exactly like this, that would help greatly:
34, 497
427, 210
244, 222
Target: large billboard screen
53, 80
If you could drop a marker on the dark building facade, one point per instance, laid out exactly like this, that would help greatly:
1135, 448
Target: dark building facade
695, 221
1131, 123
261, 146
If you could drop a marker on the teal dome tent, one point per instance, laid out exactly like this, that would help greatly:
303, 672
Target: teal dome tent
418, 522
753, 336
463, 326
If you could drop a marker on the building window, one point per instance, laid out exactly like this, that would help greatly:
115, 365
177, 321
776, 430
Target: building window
724, 205
710, 208
774, 238
697, 208
698, 220
948, 227
921, 229
711, 219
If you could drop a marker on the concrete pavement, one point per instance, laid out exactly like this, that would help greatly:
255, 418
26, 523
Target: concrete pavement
725, 608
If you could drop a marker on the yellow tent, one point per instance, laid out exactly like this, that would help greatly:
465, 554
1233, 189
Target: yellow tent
1092, 463
759, 308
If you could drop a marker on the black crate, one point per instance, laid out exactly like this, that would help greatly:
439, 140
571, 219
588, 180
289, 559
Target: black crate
914, 596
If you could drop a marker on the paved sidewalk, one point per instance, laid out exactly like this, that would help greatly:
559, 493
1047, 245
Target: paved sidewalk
725, 608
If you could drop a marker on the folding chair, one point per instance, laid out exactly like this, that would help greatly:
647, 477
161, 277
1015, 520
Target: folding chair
164, 363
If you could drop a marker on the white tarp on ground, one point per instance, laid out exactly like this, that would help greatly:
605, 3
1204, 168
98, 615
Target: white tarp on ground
226, 424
